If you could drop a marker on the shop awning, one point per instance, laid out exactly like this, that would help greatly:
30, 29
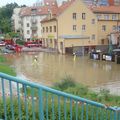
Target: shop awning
74, 37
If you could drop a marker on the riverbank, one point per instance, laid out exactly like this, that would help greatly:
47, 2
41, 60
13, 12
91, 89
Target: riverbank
103, 96
37, 49
5, 68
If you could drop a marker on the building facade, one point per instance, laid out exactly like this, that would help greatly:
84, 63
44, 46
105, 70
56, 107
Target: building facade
16, 20
79, 28
30, 17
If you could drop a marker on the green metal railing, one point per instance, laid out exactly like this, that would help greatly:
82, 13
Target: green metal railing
24, 100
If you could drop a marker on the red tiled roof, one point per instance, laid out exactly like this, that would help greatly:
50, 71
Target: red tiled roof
41, 10
64, 6
106, 9
61, 9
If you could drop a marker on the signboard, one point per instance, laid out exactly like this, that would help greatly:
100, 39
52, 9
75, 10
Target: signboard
51, 36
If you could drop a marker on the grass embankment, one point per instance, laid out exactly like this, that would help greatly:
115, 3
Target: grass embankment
104, 96
69, 86
5, 68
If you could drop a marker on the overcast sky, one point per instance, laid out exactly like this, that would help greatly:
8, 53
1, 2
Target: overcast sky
20, 2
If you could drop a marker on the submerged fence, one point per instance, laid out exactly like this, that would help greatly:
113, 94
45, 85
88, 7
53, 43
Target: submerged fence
24, 100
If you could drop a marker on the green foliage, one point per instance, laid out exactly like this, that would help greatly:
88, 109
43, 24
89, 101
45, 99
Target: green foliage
68, 85
79, 90
66, 82
2, 59
16, 110
5, 17
29, 91
6, 68
20, 42
104, 94
52, 106
13, 34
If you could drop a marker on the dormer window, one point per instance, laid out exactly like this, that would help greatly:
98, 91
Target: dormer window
53, 3
34, 10
47, 3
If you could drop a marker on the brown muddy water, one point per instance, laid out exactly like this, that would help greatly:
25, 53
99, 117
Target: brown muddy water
51, 68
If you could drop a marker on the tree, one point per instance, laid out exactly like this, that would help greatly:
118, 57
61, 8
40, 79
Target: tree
5, 17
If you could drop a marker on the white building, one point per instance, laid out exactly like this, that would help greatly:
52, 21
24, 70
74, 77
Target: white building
30, 19
16, 20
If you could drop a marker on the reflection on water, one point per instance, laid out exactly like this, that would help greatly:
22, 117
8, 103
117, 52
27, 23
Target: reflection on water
52, 68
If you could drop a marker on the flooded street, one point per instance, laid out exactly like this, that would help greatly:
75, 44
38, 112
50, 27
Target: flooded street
51, 68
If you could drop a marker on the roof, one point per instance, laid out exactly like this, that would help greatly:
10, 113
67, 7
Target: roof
106, 9
59, 10
47, 19
95, 9
39, 10
64, 6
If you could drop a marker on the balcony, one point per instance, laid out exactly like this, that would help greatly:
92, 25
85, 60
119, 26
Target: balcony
33, 21
26, 100
34, 27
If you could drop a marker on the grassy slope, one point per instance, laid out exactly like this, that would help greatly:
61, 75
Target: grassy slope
5, 68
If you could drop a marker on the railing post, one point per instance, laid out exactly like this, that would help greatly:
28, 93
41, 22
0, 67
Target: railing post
41, 114
4, 99
117, 113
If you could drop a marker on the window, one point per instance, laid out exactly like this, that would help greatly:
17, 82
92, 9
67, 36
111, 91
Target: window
28, 32
50, 28
114, 27
43, 29
74, 16
102, 41
83, 27
33, 10
106, 17
104, 28
93, 37
83, 16
46, 29
114, 17
118, 28
50, 40
54, 28
93, 21
74, 28
98, 16
28, 25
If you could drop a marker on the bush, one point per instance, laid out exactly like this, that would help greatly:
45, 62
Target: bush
20, 42
79, 90
66, 82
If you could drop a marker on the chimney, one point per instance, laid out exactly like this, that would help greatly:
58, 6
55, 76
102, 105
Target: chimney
111, 2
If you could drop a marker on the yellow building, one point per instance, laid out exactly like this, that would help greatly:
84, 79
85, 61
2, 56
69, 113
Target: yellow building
78, 27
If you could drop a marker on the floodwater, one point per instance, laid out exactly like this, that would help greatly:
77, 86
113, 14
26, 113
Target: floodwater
50, 68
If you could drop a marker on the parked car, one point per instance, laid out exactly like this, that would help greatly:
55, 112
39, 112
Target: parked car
10, 47
2, 43
116, 52
4, 50
14, 47
32, 44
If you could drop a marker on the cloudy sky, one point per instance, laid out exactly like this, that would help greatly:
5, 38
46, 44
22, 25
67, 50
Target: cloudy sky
20, 2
